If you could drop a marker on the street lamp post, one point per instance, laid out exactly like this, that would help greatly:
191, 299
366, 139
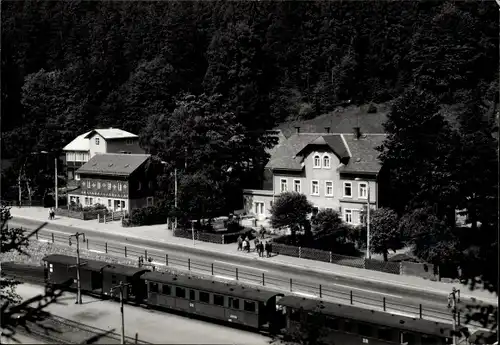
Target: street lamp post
175, 193
120, 287
453, 299
368, 254
78, 284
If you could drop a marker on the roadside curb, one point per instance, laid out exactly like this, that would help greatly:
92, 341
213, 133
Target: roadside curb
273, 262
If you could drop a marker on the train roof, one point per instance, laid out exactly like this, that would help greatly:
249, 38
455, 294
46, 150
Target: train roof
128, 271
368, 316
210, 286
92, 265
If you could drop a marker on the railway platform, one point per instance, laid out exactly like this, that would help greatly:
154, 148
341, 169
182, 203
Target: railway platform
160, 233
151, 326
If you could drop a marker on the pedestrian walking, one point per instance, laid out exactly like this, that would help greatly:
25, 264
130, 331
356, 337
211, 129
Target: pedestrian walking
262, 232
247, 245
50, 213
261, 249
256, 242
268, 249
240, 243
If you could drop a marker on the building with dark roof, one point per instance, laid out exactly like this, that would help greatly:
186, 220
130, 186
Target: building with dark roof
87, 145
121, 182
334, 170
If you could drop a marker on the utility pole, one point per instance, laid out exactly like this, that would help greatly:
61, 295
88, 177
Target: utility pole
120, 287
368, 254
453, 299
175, 200
78, 284
55, 182
192, 231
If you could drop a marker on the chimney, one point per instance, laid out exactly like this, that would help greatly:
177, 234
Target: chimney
357, 133
327, 129
297, 129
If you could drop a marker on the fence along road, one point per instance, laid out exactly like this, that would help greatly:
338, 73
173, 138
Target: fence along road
311, 288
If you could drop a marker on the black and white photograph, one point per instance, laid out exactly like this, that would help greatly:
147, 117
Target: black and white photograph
249, 172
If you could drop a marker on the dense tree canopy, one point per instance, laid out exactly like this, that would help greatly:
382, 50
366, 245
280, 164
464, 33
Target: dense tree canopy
290, 210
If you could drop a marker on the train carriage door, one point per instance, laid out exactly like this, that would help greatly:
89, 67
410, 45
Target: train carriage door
406, 338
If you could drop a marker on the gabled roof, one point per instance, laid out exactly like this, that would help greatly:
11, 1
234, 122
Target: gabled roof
111, 133
358, 155
80, 143
364, 156
342, 120
115, 164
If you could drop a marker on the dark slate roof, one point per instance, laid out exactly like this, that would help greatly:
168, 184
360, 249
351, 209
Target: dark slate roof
342, 120
210, 286
128, 271
364, 156
116, 164
285, 153
91, 265
369, 316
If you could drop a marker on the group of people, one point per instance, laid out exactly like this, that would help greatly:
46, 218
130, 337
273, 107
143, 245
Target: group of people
52, 214
260, 247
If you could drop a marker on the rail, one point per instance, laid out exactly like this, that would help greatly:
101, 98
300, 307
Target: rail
161, 259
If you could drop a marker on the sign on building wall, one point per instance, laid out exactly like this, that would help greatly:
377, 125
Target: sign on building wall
105, 188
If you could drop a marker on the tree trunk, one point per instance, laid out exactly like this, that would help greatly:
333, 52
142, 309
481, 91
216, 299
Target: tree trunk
385, 255
293, 230
29, 190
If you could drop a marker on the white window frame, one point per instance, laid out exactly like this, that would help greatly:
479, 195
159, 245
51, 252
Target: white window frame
312, 187
129, 142
283, 190
149, 201
295, 184
348, 211
326, 155
316, 155
259, 208
360, 186
343, 190
110, 203
77, 177
97, 141
326, 188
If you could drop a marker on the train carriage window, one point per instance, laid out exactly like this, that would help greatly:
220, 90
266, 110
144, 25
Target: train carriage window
166, 290
249, 306
295, 315
192, 295
364, 329
348, 327
51, 268
332, 323
219, 300
234, 303
428, 340
204, 297
180, 292
385, 334
407, 338
153, 287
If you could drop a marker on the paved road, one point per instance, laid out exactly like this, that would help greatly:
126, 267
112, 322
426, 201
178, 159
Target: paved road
250, 270
152, 326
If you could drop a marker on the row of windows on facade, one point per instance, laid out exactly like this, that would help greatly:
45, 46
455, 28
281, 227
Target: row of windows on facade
77, 156
127, 142
117, 204
203, 297
120, 187
347, 213
315, 188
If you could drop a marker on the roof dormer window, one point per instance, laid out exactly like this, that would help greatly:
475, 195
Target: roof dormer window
317, 161
326, 161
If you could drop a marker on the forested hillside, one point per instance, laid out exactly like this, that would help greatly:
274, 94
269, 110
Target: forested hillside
71, 66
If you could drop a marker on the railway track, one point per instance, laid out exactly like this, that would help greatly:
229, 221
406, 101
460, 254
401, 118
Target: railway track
55, 329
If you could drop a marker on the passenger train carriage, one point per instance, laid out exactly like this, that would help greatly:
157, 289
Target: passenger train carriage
253, 308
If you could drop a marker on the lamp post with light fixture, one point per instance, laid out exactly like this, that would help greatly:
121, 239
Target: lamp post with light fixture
368, 254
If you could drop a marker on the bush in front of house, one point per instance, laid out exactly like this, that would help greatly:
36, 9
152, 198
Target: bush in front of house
149, 215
